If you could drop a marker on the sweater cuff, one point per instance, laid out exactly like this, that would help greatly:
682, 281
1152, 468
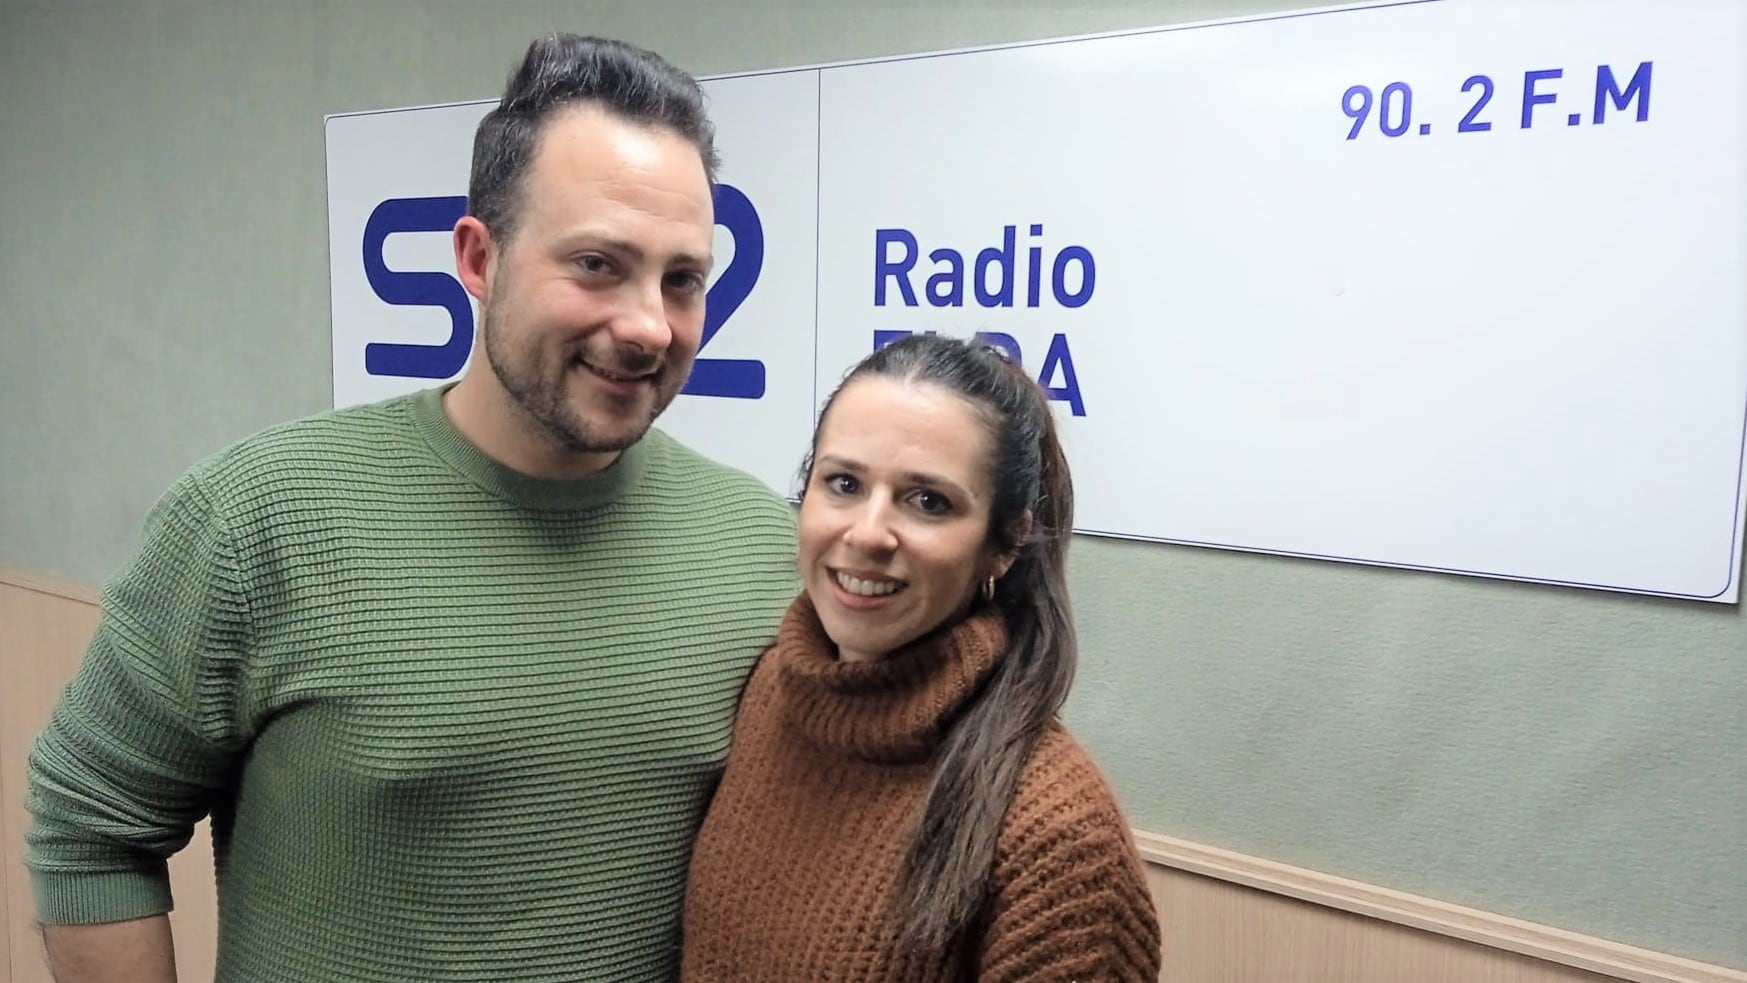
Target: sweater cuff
86, 898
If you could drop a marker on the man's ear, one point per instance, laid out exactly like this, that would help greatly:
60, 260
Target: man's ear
475, 256
1018, 532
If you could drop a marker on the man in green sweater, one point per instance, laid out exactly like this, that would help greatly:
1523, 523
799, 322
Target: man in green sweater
452, 674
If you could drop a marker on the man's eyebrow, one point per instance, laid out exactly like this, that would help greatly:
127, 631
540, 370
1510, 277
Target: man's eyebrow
626, 247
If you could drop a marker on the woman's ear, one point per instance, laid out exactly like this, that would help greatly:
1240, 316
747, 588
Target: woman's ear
1018, 533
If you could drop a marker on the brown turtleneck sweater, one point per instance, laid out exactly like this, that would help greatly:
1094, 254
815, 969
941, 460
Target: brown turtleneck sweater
794, 873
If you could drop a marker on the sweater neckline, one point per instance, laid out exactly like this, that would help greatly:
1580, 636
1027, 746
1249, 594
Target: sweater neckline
896, 710
526, 490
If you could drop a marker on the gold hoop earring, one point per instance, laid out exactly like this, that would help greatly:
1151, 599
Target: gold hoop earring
989, 589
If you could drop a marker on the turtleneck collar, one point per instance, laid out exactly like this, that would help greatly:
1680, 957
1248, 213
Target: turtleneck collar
895, 710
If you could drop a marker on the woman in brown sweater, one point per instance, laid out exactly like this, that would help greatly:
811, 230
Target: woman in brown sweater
900, 802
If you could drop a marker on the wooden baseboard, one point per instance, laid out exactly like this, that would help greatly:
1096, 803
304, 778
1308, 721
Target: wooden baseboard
1483, 928
50, 586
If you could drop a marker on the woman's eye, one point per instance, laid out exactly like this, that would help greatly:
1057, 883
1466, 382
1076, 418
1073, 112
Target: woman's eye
842, 484
933, 502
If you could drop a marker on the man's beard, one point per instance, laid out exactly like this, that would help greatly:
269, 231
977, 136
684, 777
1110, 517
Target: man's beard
540, 391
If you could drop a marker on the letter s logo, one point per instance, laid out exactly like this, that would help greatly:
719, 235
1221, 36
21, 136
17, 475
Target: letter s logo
422, 289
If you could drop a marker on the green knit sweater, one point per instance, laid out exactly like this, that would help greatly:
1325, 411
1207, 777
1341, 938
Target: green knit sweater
451, 722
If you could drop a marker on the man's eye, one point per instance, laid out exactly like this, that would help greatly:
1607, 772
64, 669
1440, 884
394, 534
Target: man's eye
687, 282
595, 264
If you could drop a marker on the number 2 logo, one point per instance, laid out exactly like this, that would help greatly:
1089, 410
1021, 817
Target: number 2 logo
731, 378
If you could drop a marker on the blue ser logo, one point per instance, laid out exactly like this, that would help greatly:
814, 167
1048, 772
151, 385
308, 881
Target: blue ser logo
730, 378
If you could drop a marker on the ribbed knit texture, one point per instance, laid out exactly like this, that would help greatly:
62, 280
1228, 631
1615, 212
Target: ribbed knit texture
452, 722
795, 873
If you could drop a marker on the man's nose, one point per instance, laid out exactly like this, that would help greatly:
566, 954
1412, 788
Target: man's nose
642, 320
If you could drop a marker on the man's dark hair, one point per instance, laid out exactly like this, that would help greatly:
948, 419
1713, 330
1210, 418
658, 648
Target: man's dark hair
565, 70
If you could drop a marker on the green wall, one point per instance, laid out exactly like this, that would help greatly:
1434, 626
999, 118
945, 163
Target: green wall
1569, 757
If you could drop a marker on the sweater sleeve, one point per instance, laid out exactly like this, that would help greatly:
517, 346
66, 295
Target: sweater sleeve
1069, 896
147, 729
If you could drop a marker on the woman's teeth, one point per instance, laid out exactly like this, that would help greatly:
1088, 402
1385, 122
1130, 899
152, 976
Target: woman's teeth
866, 588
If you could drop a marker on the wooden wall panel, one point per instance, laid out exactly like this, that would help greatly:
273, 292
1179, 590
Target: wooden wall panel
1219, 932
44, 628
1337, 921
43, 635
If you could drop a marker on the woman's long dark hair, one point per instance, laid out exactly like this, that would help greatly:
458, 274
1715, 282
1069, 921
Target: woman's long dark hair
946, 870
